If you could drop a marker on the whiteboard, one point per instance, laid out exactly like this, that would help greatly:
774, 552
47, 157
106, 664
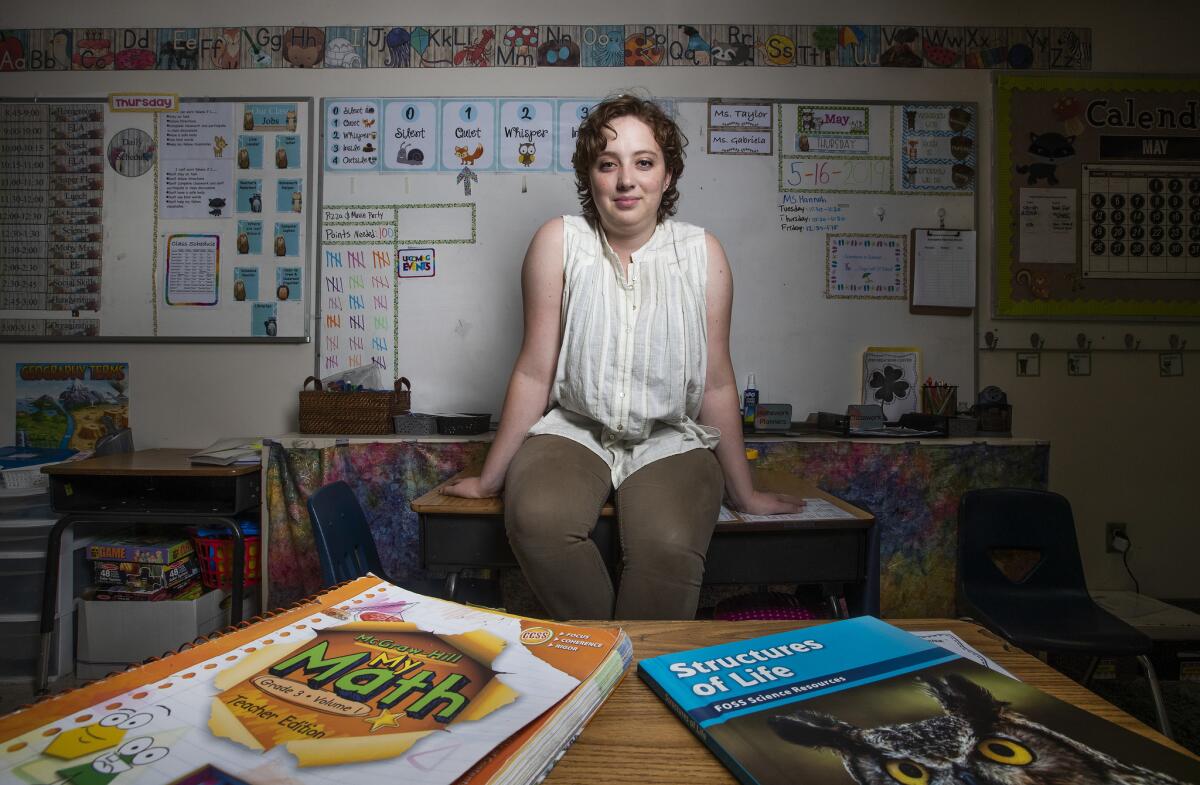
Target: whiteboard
816, 231
189, 224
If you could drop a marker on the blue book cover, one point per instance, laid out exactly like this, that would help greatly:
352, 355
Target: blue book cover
860, 701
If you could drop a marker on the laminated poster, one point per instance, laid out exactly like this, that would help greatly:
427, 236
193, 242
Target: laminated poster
70, 405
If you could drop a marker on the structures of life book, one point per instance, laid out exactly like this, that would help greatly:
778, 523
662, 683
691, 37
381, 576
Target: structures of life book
860, 702
365, 684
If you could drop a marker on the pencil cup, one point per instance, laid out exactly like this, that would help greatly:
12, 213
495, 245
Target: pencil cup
939, 399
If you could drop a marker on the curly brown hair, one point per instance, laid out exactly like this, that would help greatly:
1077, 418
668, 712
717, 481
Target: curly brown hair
592, 141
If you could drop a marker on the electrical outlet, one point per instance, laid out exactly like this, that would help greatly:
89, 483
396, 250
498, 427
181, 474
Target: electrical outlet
1111, 529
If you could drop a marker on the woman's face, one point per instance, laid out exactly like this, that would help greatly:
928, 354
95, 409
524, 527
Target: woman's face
629, 178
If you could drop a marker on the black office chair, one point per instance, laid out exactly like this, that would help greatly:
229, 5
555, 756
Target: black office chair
344, 542
1048, 608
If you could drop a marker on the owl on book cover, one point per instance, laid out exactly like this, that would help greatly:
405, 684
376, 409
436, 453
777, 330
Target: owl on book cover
976, 740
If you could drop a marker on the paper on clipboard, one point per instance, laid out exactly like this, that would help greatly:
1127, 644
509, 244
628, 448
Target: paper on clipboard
943, 268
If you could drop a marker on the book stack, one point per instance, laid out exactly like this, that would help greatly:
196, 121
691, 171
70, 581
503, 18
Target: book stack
143, 568
367, 683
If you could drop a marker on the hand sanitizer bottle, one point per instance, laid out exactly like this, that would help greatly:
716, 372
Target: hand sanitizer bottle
749, 404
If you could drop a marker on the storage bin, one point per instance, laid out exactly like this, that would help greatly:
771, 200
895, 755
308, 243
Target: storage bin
363, 412
23, 641
25, 534
25, 503
216, 561
114, 634
22, 574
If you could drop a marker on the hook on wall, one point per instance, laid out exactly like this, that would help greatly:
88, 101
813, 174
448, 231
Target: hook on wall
1131, 342
1177, 344
1036, 341
992, 339
1083, 342
941, 214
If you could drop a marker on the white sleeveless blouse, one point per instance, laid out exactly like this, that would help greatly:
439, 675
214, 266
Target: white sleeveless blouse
634, 350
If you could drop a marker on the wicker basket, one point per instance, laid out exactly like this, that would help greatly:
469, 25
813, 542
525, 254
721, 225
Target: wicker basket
369, 411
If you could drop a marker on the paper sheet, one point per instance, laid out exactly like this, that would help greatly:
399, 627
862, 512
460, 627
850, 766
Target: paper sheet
814, 510
944, 268
951, 642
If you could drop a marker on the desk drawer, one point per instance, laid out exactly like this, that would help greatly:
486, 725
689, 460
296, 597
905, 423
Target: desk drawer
452, 542
786, 557
189, 495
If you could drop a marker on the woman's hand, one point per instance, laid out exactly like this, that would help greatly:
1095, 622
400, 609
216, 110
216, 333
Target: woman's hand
765, 503
469, 488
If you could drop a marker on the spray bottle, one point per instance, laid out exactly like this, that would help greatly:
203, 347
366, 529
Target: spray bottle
749, 403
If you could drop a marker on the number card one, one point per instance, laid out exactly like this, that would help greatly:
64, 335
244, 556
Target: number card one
468, 135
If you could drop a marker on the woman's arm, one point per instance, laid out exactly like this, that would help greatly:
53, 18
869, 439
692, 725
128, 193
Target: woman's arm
529, 386
720, 405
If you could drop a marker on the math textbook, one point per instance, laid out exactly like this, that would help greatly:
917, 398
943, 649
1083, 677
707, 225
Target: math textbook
860, 702
366, 684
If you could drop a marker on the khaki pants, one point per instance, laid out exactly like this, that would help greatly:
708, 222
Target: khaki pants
666, 511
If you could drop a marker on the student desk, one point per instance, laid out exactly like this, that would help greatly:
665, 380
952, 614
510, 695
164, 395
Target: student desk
147, 486
634, 737
457, 534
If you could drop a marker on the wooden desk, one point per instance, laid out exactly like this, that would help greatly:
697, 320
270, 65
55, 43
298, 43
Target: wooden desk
842, 555
634, 737
146, 486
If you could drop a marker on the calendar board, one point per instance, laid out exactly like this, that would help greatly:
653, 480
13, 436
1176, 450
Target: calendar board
1097, 197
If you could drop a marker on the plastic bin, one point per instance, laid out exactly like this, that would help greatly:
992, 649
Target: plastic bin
22, 575
25, 534
216, 561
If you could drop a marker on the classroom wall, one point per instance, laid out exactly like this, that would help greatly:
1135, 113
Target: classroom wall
1122, 439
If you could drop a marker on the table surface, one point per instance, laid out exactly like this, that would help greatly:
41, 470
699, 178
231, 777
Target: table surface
634, 737
149, 463
437, 503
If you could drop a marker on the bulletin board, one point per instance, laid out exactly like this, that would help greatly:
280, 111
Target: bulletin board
428, 205
150, 217
1098, 197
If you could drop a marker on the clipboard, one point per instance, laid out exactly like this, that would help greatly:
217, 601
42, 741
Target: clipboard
941, 271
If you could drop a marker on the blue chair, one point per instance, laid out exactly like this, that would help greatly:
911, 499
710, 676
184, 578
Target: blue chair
344, 542
1048, 608
343, 537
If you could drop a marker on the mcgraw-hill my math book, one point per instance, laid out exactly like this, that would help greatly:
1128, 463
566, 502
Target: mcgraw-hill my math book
368, 684
863, 702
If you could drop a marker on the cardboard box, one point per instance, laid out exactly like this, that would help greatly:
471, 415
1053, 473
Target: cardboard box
113, 635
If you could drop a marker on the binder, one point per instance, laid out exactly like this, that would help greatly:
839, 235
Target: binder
941, 270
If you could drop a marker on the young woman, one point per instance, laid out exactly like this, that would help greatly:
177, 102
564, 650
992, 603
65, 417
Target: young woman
623, 381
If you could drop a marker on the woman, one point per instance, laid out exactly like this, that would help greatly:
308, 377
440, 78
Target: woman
623, 381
